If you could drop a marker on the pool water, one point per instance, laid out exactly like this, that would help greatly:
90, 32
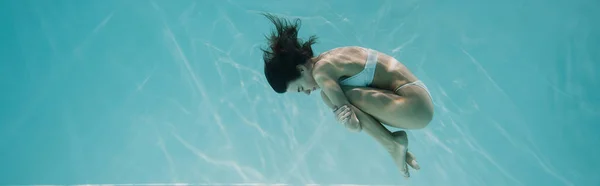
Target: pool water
165, 92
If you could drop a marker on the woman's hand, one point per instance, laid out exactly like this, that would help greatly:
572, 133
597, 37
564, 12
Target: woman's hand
346, 116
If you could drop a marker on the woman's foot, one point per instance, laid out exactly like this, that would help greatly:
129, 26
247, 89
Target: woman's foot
402, 156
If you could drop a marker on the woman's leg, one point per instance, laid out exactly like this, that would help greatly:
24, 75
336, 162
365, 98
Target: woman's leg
395, 143
413, 110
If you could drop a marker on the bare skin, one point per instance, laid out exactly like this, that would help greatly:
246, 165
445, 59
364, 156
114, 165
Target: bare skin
395, 143
407, 108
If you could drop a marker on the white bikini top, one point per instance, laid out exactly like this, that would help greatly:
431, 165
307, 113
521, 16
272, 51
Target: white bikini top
365, 77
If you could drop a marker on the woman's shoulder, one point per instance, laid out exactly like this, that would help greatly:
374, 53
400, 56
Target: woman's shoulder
342, 53
340, 59
343, 49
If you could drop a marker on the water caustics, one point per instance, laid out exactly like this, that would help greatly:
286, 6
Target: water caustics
148, 92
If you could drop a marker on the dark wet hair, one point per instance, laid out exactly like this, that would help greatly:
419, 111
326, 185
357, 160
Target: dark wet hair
285, 52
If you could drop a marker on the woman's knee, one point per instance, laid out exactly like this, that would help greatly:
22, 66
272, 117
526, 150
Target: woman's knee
353, 93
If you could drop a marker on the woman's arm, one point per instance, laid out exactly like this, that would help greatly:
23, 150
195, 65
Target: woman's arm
329, 85
354, 127
326, 78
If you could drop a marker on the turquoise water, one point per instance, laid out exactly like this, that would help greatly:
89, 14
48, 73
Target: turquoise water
137, 91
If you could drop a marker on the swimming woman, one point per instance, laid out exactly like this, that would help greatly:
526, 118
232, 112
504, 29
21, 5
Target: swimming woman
363, 87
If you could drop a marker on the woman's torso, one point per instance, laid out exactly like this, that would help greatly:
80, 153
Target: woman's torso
351, 60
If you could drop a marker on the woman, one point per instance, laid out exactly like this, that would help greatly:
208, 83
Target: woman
365, 88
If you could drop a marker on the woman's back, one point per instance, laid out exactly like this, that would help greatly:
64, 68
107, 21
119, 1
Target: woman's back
350, 61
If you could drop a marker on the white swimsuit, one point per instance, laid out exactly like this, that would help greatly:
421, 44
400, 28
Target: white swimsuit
365, 77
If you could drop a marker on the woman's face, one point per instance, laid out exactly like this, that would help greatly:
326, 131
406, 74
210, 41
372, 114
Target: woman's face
306, 83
